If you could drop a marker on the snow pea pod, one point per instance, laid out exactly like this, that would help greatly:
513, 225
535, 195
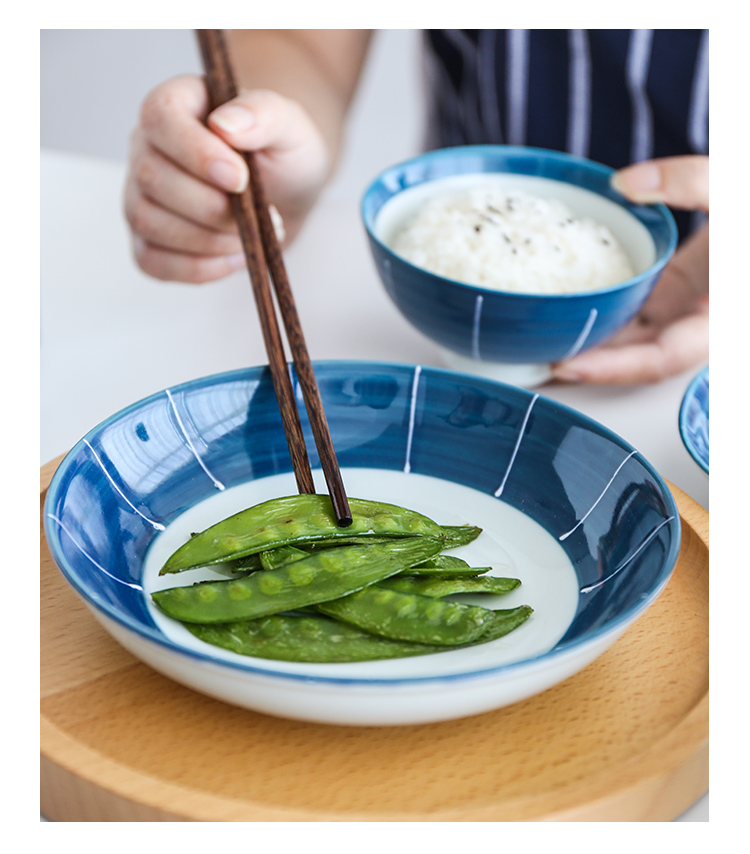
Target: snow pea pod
447, 571
445, 562
408, 616
459, 535
453, 537
441, 566
505, 621
440, 587
447, 566
324, 575
311, 638
317, 639
293, 520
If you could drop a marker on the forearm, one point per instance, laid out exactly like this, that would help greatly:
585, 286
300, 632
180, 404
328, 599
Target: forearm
319, 69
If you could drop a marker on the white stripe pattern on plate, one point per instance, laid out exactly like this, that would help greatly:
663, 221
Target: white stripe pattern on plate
587, 513
627, 560
217, 483
157, 525
412, 417
96, 564
499, 490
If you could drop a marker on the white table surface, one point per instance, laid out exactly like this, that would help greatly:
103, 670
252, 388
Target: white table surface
110, 335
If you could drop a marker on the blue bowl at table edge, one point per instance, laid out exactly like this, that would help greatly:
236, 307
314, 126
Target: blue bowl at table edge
114, 490
512, 328
694, 417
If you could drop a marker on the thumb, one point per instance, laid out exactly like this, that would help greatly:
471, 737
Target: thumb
260, 119
681, 182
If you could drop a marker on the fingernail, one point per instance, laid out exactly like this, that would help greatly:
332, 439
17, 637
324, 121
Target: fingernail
233, 118
227, 175
641, 182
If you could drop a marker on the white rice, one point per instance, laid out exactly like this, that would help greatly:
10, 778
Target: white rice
511, 240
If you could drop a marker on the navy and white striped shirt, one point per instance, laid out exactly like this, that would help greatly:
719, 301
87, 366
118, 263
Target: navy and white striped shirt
614, 96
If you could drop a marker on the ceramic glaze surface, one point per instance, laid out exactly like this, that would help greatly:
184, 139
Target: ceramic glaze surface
693, 420
605, 515
488, 325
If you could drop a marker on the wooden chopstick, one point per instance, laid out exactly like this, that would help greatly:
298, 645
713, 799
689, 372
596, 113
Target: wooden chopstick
263, 254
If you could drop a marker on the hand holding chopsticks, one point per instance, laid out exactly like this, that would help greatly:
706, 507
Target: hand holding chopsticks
263, 254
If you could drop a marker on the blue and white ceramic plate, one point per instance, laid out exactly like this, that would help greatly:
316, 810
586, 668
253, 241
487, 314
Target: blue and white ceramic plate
693, 419
565, 505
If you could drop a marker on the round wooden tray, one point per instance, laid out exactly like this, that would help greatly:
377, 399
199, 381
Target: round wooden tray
624, 740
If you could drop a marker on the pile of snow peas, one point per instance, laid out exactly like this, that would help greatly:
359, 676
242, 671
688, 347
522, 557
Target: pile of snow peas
300, 588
